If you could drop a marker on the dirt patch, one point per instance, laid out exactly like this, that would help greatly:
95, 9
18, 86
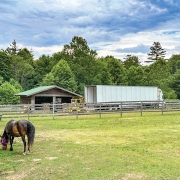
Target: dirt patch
19, 160
133, 176
51, 158
17, 176
36, 160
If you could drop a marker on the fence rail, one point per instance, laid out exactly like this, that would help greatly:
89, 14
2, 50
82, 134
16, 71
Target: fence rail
77, 109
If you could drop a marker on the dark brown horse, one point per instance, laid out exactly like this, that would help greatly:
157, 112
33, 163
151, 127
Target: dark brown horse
21, 129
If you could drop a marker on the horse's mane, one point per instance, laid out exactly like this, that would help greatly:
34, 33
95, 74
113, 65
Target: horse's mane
5, 133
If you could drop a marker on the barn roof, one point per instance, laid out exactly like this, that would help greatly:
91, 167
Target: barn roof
42, 89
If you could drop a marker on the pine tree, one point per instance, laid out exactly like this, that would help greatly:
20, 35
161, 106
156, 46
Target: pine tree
13, 49
156, 52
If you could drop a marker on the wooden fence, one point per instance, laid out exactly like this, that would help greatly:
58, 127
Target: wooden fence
29, 111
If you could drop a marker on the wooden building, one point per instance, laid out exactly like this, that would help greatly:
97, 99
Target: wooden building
47, 94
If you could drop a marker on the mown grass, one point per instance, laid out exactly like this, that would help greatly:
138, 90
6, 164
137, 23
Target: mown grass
131, 147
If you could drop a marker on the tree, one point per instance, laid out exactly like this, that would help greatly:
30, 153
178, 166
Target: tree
103, 76
81, 60
135, 76
8, 91
5, 66
78, 48
13, 49
116, 70
43, 66
1, 80
158, 71
27, 56
174, 84
131, 61
62, 76
156, 52
56, 57
174, 63
48, 80
22, 71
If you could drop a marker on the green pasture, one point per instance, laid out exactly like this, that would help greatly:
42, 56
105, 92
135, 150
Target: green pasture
131, 147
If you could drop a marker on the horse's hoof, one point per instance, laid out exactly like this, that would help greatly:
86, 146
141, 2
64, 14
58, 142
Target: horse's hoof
11, 149
24, 153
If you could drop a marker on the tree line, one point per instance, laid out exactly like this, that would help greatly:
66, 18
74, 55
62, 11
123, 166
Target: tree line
76, 65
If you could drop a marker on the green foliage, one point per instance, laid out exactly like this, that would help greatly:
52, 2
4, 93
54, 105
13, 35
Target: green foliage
131, 61
135, 76
103, 76
82, 62
22, 71
43, 66
84, 68
48, 80
8, 91
27, 56
61, 75
1, 80
78, 48
156, 52
174, 63
175, 83
13, 48
116, 70
158, 71
5, 66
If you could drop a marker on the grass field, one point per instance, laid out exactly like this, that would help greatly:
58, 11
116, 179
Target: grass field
90, 148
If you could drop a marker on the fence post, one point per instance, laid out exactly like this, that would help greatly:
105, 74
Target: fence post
53, 110
121, 109
162, 110
76, 112
100, 111
28, 111
141, 107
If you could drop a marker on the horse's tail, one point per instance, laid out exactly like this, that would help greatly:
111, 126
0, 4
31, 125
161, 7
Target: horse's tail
30, 133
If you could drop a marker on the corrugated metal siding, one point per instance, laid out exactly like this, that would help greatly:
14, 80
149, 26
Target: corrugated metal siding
107, 93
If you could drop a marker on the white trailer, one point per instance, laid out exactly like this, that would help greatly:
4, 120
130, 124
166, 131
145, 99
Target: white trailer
110, 93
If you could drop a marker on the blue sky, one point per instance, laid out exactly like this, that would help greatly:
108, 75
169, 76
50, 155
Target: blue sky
116, 27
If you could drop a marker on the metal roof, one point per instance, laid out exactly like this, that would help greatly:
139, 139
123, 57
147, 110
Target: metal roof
42, 89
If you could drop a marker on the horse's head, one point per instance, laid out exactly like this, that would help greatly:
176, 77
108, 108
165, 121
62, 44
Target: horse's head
4, 142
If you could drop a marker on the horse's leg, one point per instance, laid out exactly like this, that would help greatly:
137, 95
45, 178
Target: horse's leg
24, 142
11, 138
28, 148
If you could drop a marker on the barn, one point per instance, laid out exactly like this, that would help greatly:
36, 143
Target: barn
47, 94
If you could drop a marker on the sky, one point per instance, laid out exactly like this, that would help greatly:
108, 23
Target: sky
111, 27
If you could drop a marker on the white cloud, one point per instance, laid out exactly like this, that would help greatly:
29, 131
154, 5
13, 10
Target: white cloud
108, 26
39, 51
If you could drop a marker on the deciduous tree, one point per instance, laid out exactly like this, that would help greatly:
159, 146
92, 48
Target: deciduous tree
62, 76
8, 91
131, 61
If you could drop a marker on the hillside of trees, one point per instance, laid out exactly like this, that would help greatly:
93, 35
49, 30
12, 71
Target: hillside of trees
78, 65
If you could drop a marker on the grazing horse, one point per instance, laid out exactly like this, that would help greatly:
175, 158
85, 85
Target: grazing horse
21, 129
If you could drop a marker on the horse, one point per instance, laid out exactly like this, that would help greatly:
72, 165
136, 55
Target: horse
21, 129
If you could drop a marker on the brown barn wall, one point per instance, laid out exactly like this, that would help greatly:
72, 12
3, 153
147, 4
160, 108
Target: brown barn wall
25, 100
